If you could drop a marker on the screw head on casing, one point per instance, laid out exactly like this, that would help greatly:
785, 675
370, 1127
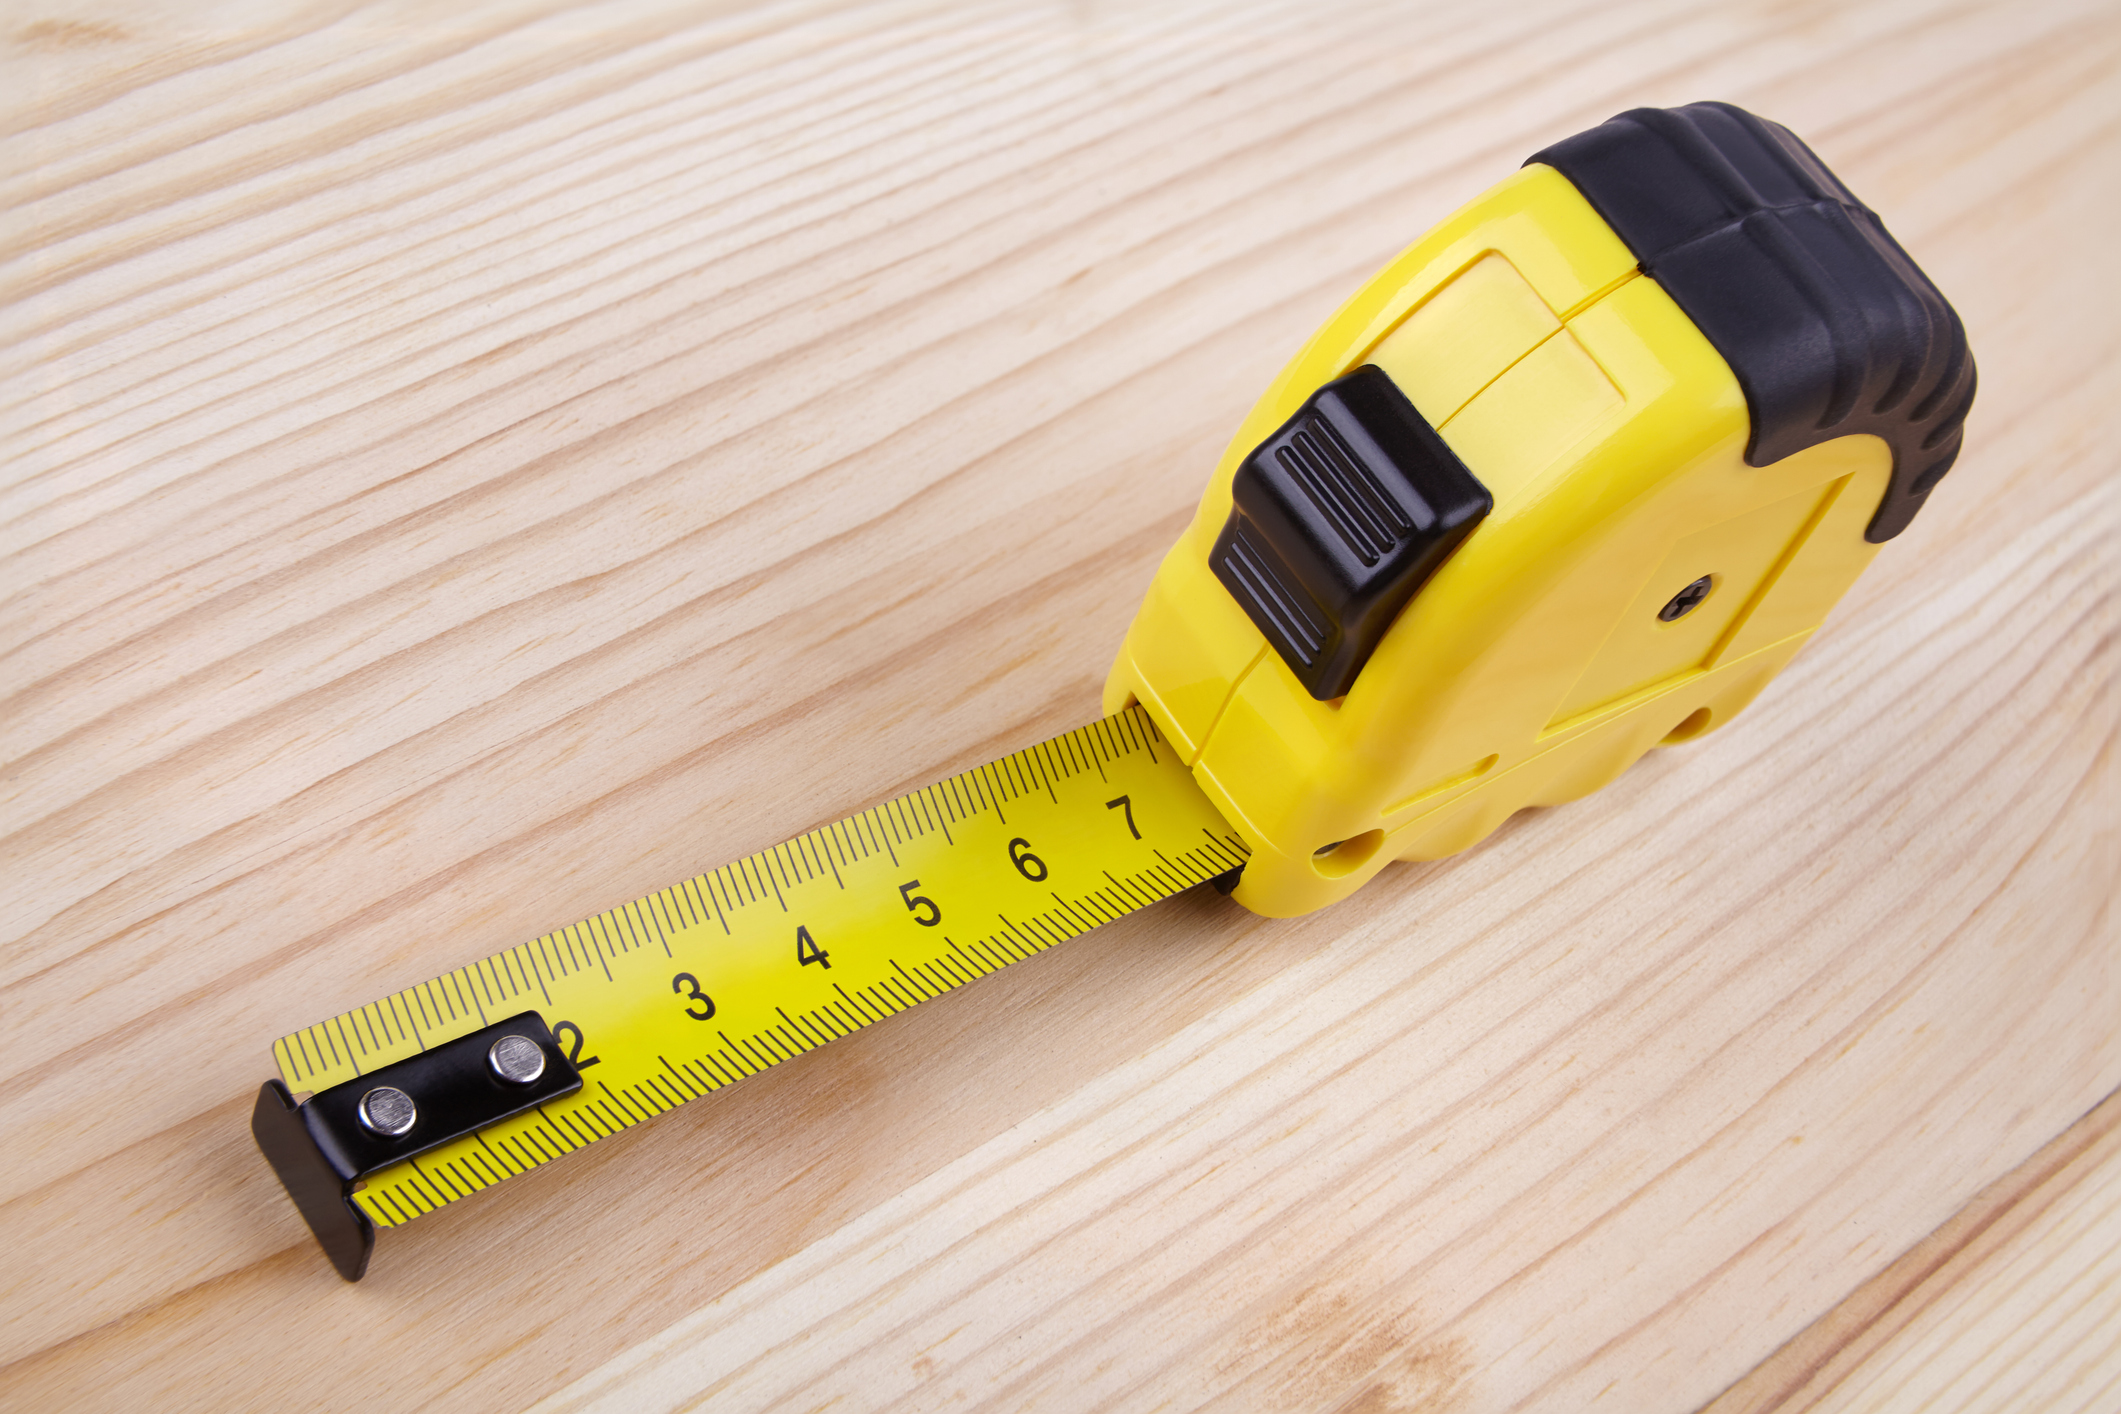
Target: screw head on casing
1687, 599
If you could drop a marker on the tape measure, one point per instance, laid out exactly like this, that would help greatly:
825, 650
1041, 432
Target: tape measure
483, 1073
1573, 477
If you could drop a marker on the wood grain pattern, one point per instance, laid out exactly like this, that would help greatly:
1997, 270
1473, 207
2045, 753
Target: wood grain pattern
465, 474
2015, 1303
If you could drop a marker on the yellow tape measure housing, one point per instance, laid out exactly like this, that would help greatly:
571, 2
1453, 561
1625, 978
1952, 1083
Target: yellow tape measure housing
1575, 475
1626, 460
715, 978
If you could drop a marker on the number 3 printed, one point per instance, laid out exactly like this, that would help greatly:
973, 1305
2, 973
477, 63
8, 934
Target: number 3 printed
688, 986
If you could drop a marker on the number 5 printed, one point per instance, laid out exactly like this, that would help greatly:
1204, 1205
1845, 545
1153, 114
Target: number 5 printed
916, 902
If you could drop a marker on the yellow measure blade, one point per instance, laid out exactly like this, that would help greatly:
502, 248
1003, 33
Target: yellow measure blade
726, 973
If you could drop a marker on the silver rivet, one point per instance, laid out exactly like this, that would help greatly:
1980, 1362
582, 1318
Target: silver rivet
388, 1111
516, 1059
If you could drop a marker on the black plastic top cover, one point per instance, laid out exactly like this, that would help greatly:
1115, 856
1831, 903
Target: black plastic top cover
1827, 324
1338, 518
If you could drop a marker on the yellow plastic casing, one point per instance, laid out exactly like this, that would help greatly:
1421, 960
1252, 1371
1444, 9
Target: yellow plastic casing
1532, 668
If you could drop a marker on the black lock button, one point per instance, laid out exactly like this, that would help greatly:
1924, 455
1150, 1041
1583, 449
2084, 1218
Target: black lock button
1339, 517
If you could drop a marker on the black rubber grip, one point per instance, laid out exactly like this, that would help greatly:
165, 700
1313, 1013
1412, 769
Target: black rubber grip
1830, 328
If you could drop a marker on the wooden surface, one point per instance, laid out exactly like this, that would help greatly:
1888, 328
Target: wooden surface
464, 474
2012, 1304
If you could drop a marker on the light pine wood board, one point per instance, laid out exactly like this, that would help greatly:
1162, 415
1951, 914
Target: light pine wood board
2014, 1304
463, 474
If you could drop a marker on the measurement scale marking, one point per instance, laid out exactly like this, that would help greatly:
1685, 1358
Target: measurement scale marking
337, 1034
862, 931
